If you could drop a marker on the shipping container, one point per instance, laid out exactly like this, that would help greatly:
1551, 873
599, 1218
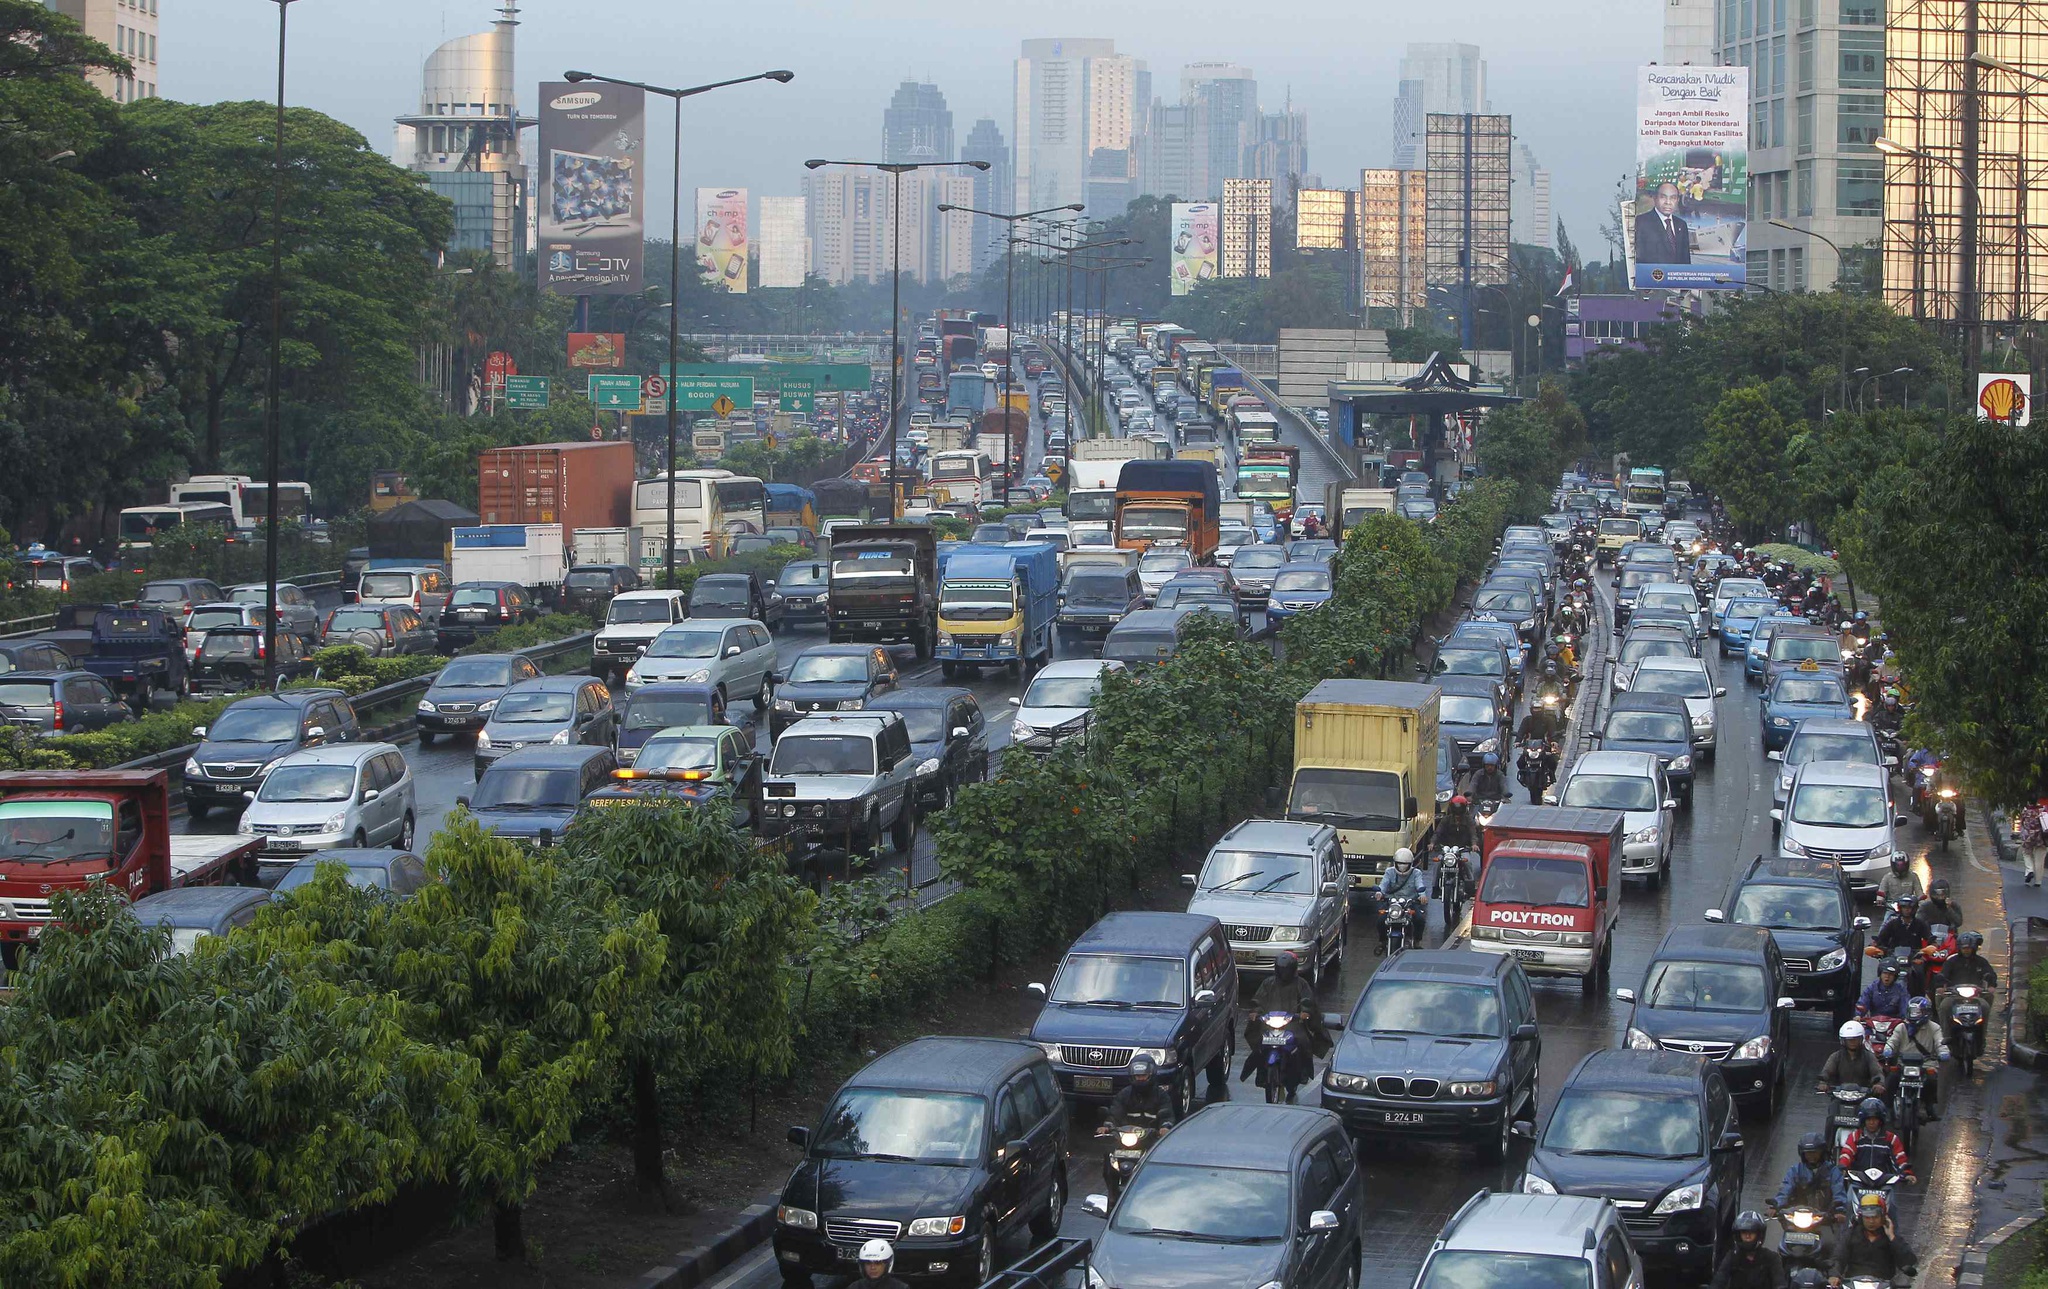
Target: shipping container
576, 485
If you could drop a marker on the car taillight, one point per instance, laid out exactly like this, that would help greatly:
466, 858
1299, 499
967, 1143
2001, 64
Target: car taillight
58, 721
388, 638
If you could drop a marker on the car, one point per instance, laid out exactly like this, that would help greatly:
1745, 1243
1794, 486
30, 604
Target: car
398, 873
342, 794
843, 780
250, 735
233, 659
972, 1130
1803, 650
631, 622
1059, 703
1737, 620
1822, 738
463, 694
296, 611
1158, 985
534, 793
1161, 565
724, 596
1508, 602
381, 630
1473, 716
1441, 1043
651, 709
792, 535
1093, 599
1646, 641
59, 702
32, 655
1718, 990
1310, 550
1730, 589
990, 534
734, 654
1810, 912
1757, 651
948, 739
1473, 656
1801, 695
203, 618
1658, 724
1149, 636
192, 913
49, 571
693, 764
422, 588
1841, 810
475, 609
589, 588
1277, 887
1201, 593
1419, 509
1497, 1241
1253, 568
1520, 655
1655, 1132
551, 710
1299, 587
1676, 596
1633, 783
802, 585
830, 678
177, 595
1687, 678
1239, 1194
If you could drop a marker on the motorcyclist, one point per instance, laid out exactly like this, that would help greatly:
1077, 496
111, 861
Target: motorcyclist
1886, 995
1750, 1263
1967, 967
1852, 1063
1285, 991
877, 1261
1401, 879
1920, 1036
1938, 909
1900, 881
1813, 1181
1534, 770
1939, 946
1144, 1101
1901, 932
1454, 826
1872, 1248
1489, 784
1873, 1145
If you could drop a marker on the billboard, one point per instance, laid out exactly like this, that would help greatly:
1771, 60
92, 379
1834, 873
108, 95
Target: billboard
1687, 228
2005, 397
1193, 260
1325, 219
593, 201
597, 349
722, 246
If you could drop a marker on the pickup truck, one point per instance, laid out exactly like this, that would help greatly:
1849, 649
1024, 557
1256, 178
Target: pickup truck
139, 652
72, 631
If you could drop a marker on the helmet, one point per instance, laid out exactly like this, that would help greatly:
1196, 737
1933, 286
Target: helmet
1870, 1204
1492, 758
879, 1251
1813, 1144
1141, 1069
1404, 859
1285, 965
1459, 799
1550, 668
1900, 863
1871, 1108
1862, 616
1970, 941
1917, 1009
1899, 961
1938, 889
1888, 966
1850, 1032
1906, 906
1749, 1222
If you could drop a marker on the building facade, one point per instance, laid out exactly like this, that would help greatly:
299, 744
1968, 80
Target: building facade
992, 189
784, 242
1530, 222
1247, 228
1597, 324
465, 138
1052, 127
1229, 95
1435, 77
129, 28
1393, 247
917, 125
1689, 33
1281, 151
852, 234
1173, 158
1468, 186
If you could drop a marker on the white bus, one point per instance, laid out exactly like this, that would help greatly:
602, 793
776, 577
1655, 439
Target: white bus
700, 520
963, 475
247, 499
139, 525
743, 498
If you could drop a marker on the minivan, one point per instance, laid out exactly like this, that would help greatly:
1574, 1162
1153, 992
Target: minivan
1841, 810
1498, 1240
1158, 985
1820, 738
343, 794
1147, 636
423, 589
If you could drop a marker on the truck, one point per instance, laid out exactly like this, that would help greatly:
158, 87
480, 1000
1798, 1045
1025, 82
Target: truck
1225, 383
1093, 467
1546, 895
532, 555
883, 585
1238, 511
1268, 481
70, 829
966, 393
995, 344
996, 606
1346, 506
707, 439
998, 430
1168, 502
576, 485
951, 435
1211, 457
1365, 763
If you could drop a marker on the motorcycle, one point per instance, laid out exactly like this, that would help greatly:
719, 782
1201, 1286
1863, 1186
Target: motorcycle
1132, 1141
1532, 775
1484, 811
1947, 815
1398, 915
1923, 793
1965, 1030
1453, 879
1867, 1176
1842, 1121
1282, 1052
1802, 1236
1909, 1089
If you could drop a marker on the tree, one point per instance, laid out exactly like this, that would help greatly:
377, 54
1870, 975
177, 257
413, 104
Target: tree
1531, 441
1743, 460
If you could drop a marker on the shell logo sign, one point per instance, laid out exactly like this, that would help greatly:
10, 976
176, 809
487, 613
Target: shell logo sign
2005, 398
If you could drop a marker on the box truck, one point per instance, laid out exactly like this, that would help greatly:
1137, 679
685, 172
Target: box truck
1365, 763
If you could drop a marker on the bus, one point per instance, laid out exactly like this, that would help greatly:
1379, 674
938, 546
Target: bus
963, 475
1645, 494
744, 500
1269, 481
139, 525
247, 499
700, 519
295, 502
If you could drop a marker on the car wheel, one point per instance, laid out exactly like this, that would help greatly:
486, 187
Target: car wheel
405, 832
946, 795
903, 833
792, 1278
196, 810
360, 840
1351, 1261
765, 694
1497, 1145
1047, 1224
426, 738
984, 1266
949, 670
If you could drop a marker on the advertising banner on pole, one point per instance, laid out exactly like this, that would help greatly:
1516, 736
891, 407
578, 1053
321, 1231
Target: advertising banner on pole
593, 201
1688, 226
722, 246
1194, 256
2007, 397
597, 349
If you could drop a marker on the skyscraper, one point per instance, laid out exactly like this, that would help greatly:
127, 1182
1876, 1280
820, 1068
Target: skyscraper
1247, 228
1434, 78
1392, 239
1529, 217
465, 139
1231, 96
849, 212
992, 189
129, 28
1173, 155
1072, 97
1281, 151
917, 125
1689, 32
784, 245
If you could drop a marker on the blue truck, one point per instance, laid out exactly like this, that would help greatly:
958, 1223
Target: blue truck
997, 604
966, 395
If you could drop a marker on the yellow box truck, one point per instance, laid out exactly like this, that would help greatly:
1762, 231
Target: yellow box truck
1365, 757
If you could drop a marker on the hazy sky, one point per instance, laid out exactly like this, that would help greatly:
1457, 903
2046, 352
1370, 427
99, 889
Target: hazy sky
1564, 71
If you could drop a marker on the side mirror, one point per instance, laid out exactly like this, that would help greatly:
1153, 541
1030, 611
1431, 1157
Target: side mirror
1331, 888
770, 584
463, 802
1721, 692
1861, 924
1016, 702
1898, 821
1600, 894
1891, 762
1188, 880
1095, 1205
371, 794
640, 649
1716, 915
1774, 756
316, 733
1671, 803
1321, 1220
1594, 737
1787, 1004
799, 1136
1203, 997
732, 651
1625, 995
1522, 1128
1035, 988
1778, 816
199, 731
1011, 1151
960, 731
1730, 1142
1411, 812
1422, 669
1524, 1033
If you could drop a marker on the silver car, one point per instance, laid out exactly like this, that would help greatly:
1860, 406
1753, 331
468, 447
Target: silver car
1059, 703
1633, 783
734, 654
1688, 678
1276, 887
340, 794
1841, 810
1823, 738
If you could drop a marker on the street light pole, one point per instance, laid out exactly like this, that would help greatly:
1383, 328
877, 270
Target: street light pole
1841, 274
675, 268
271, 430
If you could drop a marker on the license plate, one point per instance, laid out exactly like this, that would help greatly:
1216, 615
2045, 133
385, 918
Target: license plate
873, 626
1527, 955
1403, 1116
1244, 955
1273, 1040
1092, 1083
228, 788
281, 843
845, 1252
1127, 1156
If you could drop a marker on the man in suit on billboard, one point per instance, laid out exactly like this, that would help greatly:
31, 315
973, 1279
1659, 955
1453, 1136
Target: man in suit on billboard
1661, 236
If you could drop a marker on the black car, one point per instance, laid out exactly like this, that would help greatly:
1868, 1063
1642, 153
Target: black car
1094, 598
1473, 716
948, 740
1718, 991
231, 659
1440, 1044
1656, 1133
466, 691
533, 794
32, 655
830, 678
1162, 985
736, 595
1656, 723
943, 1147
62, 701
802, 587
238, 749
476, 608
588, 588
1812, 917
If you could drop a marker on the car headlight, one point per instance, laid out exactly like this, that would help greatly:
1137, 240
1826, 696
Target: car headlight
1638, 1041
852, 704
698, 677
1756, 1049
928, 768
632, 675
1681, 763
1528, 624
938, 1225
192, 768
1095, 1281
1536, 1184
1882, 851
1791, 847
1781, 722
483, 738
1680, 1200
1832, 960
1643, 836
1054, 1052
1346, 1082
1444, 797
334, 823
1285, 933
1159, 1056
427, 708
785, 705
1704, 720
245, 828
802, 1219
1476, 1088
1785, 783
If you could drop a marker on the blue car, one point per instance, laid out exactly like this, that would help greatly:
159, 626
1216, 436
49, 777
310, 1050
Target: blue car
532, 794
1760, 641
666, 704
1298, 587
1796, 695
1738, 620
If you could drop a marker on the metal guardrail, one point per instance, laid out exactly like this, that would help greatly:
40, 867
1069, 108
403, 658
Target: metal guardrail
16, 628
1057, 1262
1317, 439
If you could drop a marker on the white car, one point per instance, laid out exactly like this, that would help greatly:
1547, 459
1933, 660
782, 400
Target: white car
1160, 565
1058, 703
1633, 783
1736, 588
340, 794
1673, 595
1688, 678
735, 654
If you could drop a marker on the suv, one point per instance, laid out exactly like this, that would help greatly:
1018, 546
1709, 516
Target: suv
382, 630
948, 739
1824, 738
631, 621
590, 588
971, 1129
734, 654
1441, 1043
847, 777
1718, 991
59, 702
421, 588
178, 596
296, 611
1687, 678
830, 678
479, 607
1532, 1240
248, 737
1810, 912
803, 586
1277, 886
1239, 1194
549, 710
1161, 985
533, 794
1841, 810
735, 595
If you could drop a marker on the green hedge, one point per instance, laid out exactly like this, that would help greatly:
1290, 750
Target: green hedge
116, 744
543, 630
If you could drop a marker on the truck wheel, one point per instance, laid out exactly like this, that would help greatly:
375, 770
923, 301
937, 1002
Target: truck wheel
921, 642
949, 670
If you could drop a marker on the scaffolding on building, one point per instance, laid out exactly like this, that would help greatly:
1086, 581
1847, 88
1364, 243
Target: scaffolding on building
1469, 176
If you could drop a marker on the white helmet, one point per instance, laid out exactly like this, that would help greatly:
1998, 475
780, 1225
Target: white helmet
1404, 858
1850, 1029
879, 1251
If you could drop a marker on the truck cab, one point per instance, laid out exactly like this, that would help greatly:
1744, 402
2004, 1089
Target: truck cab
883, 585
1546, 896
1365, 755
997, 605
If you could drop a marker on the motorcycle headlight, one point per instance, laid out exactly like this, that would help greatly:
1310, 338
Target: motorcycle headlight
334, 823
785, 705
1638, 1041
1129, 1138
1801, 1219
1643, 836
802, 1219
1681, 763
427, 708
1680, 1200
1346, 1082
1927, 772
1537, 1184
1832, 960
1475, 1089
1756, 1049
192, 768
928, 768
483, 738
938, 1225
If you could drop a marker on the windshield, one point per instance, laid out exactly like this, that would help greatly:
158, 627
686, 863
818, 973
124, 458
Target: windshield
824, 754
1097, 588
1464, 709
1367, 799
1247, 872
1686, 682
1499, 601
799, 576
638, 611
356, 620
1259, 557
829, 667
1063, 691
475, 673
652, 712
1791, 648
513, 788
534, 707
986, 602
1301, 579
1809, 689
56, 830
906, 1127
1829, 805
473, 597
1473, 1269
1652, 647
357, 875
1470, 662
1427, 1007
1610, 792
1647, 727
1535, 881
1705, 987
1204, 1204
1638, 577
1746, 610
578, 579
309, 783
1806, 747
26, 693
206, 619
877, 563
683, 752
255, 725
1113, 978
1792, 908
687, 642
1158, 523
653, 495
1164, 561
1620, 528
385, 586
1610, 1121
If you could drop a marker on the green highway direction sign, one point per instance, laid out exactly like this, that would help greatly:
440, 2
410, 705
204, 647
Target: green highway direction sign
697, 393
613, 393
527, 393
796, 395
769, 378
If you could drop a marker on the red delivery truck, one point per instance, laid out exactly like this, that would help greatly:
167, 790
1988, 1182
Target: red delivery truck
576, 485
1546, 893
